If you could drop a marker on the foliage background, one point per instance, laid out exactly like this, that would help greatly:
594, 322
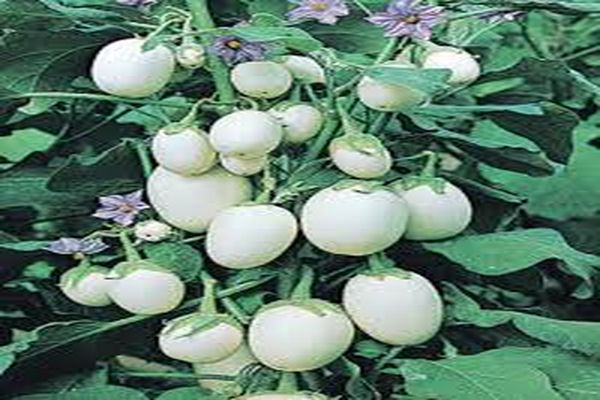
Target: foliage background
520, 288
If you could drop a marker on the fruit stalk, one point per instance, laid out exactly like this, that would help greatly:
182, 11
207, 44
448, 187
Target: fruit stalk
209, 301
302, 291
131, 254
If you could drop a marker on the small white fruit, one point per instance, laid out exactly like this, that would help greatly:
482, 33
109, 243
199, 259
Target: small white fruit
389, 97
152, 231
360, 156
353, 220
122, 68
230, 366
261, 79
186, 339
394, 309
250, 236
300, 122
87, 285
304, 69
300, 335
435, 215
185, 152
191, 202
143, 288
465, 69
191, 55
246, 134
244, 166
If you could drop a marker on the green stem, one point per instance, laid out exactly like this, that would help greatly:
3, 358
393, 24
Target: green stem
269, 184
130, 252
430, 166
288, 383
234, 309
141, 150
90, 96
388, 51
393, 353
286, 279
349, 125
219, 71
302, 291
379, 263
380, 123
209, 301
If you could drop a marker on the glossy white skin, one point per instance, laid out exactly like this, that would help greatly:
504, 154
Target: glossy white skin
246, 134
121, 68
190, 203
387, 97
230, 366
244, 166
191, 56
304, 69
395, 311
300, 122
283, 396
353, 223
152, 231
290, 338
464, 67
261, 79
187, 152
361, 165
147, 292
435, 216
250, 236
92, 290
207, 346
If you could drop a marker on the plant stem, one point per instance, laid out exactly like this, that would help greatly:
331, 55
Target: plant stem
234, 309
389, 50
430, 166
287, 383
393, 353
89, 96
302, 291
130, 252
220, 73
209, 301
141, 150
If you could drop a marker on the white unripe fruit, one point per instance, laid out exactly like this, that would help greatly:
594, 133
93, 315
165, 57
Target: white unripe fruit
191, 56
433, 215
152, 231
354, 222
187, 152
300, 122
191, 202
122, 68
244, 166
396, 310
147, 291
360, 156
261, 79
229, 366
304, 69
87, 286
465, 68
290, 337
246, 134
250, 236
389, 97
205, 346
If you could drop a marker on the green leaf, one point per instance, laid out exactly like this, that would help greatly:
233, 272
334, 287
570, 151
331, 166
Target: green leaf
572, 192
25, 245
475, 378
428, 81
106, 392
23, 142
181, 258
292, 38
502, 253
564, 6
189, 393
350, 34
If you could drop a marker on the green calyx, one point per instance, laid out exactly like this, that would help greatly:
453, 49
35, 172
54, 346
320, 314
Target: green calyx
438, 185
75, 275
362, 143
188, 122
360, 186
317, 307
198, 322
380, 266
125, 268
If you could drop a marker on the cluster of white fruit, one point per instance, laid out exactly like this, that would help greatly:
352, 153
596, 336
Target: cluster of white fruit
360, 217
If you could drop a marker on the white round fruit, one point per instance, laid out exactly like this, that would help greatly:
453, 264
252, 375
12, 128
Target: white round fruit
366, 161
246, 134
229, 366
180, 341
304, 69
146, 291
352, 221
396, 310
465, 69
291, 337
152, 231
300, 122
389, 97
244, 166
191, 55
186, 152
434, 215
250, 236
87, 286
284, 396
191, 202
261, 79
122, 68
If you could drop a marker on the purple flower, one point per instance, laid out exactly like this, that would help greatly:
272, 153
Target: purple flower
502, 16
76, 246
404, 18
324, 11
138, 3
234, 50
121, 209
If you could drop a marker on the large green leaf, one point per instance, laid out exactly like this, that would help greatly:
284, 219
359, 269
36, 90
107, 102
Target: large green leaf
23, 142
106, 392
428, 81
350, 34
181, 258
566, 6
292, 38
